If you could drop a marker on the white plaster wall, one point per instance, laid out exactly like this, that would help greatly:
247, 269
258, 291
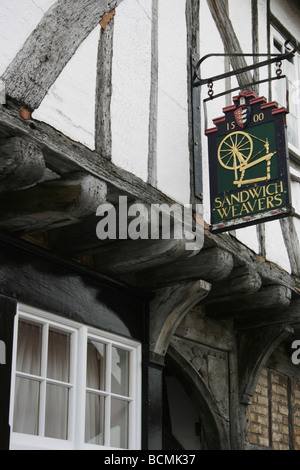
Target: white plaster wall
210, 43
248, 236
173, 166
297, 227
263, 44
275, 247
295, 188
287, 14
18, 18
131, 76
241, 18
69, 105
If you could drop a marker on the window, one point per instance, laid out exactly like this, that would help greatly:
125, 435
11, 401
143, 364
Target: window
73, 387
290, 68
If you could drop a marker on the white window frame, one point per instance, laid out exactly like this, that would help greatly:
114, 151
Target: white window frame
293, 83
76, 422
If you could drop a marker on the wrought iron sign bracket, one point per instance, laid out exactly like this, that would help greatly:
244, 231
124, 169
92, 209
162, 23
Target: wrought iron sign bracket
198, 82
272, 58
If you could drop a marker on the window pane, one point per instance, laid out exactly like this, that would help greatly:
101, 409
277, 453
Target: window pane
29, 348
58, 356
26, 406
56, 422
119, 371
119, 424
94, 419
95, 368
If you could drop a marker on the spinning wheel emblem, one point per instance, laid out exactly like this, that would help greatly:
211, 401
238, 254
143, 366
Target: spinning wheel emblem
235, 153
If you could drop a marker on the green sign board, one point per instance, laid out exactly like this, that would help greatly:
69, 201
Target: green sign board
248, 164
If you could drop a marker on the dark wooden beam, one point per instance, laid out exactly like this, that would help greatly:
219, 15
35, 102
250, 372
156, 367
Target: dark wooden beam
242, 281
289, 315
229, 38
63, 155
21, 163
103, 136
74, 240
50, 47
61, 201
270, 273
127, 256
209, 265
273, 299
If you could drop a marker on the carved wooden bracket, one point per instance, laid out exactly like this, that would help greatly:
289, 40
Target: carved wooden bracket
254, 348
169, 307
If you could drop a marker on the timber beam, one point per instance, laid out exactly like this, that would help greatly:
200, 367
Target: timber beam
274, 299
243, 280
126, 256
211, 265
50, 46
270, 273
62, 155
289, 315
62, 201
155, 263
21, 163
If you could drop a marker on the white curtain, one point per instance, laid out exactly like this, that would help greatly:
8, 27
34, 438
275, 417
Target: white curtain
95, 404
28, 390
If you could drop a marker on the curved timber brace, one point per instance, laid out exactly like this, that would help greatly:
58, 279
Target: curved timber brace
254, 348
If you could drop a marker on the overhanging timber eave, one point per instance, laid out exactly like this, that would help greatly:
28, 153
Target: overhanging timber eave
221, 259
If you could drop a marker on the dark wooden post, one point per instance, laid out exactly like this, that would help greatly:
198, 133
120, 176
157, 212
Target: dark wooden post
8, 308
155, 397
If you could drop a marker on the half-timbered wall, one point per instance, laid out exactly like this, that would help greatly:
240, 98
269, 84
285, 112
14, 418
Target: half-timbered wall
99, 104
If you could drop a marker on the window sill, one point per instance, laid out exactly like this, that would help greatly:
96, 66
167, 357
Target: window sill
20, 441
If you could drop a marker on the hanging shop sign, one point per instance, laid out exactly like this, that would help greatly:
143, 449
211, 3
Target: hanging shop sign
248, 164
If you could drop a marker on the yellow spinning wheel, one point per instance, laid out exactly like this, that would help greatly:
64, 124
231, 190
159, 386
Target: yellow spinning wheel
235, 150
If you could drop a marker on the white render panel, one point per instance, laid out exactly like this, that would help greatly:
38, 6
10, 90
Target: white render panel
288, 15
248, 236
263, 45
295, 192
18, 19
210, 67
131, 78
275, 247
297, 227
211, 43
241, 18
173, 165
69, 106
